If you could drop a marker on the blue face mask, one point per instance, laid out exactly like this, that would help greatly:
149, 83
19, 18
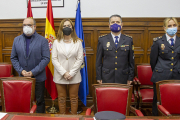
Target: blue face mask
171, 31
115, 28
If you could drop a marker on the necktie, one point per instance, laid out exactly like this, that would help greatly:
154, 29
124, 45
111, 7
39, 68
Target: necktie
172, 42
116, 41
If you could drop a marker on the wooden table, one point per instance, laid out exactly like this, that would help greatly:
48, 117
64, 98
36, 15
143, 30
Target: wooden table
37, 116
140, 118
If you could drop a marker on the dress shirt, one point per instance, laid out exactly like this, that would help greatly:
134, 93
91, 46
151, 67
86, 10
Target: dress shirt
113, 36
168, 38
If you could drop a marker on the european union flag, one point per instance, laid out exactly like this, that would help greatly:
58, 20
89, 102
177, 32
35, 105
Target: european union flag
83, 88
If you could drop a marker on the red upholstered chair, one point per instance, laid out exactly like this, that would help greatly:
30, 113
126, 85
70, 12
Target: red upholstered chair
145, 86
113, 97
17, 94
168, 97
5, 71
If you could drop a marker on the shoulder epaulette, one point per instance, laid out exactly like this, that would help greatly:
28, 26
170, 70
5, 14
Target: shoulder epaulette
155, 39
102, 35
128, 36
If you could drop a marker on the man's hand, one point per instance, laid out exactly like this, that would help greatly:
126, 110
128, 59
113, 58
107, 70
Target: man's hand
67, 75
28, 74
129, 82
23, 72
99, 81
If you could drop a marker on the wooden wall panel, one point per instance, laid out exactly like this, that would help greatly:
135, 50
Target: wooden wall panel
143, 30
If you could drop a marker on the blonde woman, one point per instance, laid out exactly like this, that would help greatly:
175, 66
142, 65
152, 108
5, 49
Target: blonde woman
165, 57
67, 57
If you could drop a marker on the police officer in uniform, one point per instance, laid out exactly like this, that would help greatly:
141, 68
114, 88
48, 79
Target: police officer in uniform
165, 57
115, 55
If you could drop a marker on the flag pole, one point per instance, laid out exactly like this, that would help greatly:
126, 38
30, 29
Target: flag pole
50, 36
52, 109
83, 87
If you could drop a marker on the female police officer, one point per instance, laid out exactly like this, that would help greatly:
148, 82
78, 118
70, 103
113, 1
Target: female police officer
165, 57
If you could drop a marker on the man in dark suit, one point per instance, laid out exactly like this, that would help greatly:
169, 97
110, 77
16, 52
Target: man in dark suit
30, 55
165, 57
115, 55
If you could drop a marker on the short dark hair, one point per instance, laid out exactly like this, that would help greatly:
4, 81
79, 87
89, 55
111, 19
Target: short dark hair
115, 15
34, 21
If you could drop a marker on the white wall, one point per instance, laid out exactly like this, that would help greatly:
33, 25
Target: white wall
17, 9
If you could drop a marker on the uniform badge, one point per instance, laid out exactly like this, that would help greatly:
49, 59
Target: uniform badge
162, 46
122, 45
108, 44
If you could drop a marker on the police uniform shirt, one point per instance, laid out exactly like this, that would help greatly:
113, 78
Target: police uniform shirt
115, 64
169, 38
165, 59
113, 36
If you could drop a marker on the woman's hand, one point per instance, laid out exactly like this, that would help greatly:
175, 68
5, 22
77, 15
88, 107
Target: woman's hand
70, 77
67, 75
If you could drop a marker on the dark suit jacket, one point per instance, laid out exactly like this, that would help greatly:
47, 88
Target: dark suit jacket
165, 59
117, 65
37, 59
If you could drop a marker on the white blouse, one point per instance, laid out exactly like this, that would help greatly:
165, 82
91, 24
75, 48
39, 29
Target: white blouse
67, 46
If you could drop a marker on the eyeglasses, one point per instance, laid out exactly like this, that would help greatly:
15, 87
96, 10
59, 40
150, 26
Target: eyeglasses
28, 25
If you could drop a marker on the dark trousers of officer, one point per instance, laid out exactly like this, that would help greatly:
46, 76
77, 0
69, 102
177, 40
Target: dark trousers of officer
154, 107
39, 94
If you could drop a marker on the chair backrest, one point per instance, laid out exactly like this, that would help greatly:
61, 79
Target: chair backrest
168, 95
144, 74
5, 70
112, 97
17, 94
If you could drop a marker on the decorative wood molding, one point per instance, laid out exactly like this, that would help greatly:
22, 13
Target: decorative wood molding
143, 30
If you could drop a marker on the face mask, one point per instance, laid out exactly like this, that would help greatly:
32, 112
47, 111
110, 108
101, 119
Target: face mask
171, 31
115, 28
27, 30
67, 31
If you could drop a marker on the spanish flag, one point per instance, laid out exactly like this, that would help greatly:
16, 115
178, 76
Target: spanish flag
50, 36
29, 11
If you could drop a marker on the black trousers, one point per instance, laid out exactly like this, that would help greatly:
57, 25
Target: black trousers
154, 107
39, 94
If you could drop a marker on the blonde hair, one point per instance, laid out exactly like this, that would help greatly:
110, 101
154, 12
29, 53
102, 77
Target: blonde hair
166, 21
60, 34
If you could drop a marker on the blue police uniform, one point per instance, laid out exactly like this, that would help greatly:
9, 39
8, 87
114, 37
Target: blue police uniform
115, 64
165, 63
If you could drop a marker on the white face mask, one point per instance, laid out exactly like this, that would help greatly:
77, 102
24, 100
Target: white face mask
27, 30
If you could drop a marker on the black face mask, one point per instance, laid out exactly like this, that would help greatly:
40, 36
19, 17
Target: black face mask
67, 31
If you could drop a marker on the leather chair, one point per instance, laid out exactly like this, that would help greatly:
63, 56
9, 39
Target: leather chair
113, 97
168, 97
17, 94
145, 86
5, 71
